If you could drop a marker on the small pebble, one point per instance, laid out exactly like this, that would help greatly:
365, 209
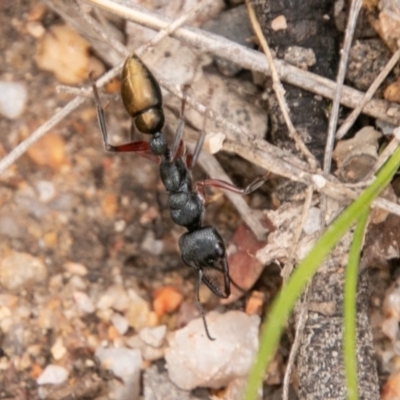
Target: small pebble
120, 323
151, 245
124, 364
20, 269
49, 151
77, 282
114, 297
75, 268
53, 375
57, 48
157, 385
13, 97
312, 223
138, 313
153, 336
149, 353
121, 361
46, 191
35, 29
254, 304
279, 23
109, 205
58, 349
193, 360
84, 302
166, 300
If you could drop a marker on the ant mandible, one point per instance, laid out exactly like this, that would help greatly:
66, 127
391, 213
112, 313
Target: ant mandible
201, 247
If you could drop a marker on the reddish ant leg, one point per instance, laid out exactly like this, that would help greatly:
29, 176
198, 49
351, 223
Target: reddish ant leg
142, 147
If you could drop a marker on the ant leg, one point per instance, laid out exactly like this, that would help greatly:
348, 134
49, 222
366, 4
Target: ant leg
191, 159
232, 188
140, 146
200, 306
176, 145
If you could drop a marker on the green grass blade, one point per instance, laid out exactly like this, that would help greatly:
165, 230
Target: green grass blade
285, 301
350, 307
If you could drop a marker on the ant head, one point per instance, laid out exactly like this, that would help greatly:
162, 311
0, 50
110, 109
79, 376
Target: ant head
203, 248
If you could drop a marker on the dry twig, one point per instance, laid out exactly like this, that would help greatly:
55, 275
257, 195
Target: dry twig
334, 115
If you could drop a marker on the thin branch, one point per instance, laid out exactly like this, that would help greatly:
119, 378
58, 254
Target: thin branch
334, 115
388, 151
321, 184
19, 150
279, 91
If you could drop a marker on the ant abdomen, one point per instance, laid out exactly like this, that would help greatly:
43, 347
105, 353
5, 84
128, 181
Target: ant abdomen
141, 95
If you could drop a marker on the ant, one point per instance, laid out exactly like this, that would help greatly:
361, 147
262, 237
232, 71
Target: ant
202, 247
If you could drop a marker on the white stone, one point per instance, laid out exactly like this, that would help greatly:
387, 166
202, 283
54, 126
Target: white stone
13, 97
193, 360
121, 361
46, 191
312, 223
84, 302
125, 364
153, 336
152, 245
53, 375
120, 323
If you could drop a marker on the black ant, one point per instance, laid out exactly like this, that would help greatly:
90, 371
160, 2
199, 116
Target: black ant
201, 247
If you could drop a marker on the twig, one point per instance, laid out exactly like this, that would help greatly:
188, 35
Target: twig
277, 86
388, 151
104, 34
351, 25
368, 95
323, 185
75, 91
17, 152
